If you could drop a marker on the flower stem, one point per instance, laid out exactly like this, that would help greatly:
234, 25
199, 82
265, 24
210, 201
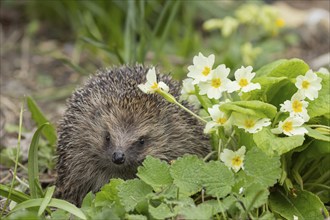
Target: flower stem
319, 126
172, 99
275, 119
187, 110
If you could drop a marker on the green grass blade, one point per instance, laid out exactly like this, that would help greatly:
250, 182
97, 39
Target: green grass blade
27, 204
33, 168
169, 22
40, 119
108, 49
15, 195
66, 206
46, 200
60, 204
161, 18
70, 64
16, 159
130, 31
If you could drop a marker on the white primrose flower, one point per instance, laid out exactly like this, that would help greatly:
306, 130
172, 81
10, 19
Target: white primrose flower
296, 106
309, 85
188, 93
201, 69
219, 118
290, 126
324, 71
233, 160
250, 124
217, 83
243, 77
151, 86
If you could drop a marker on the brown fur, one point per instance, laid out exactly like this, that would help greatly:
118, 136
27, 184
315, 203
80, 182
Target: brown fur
111, 103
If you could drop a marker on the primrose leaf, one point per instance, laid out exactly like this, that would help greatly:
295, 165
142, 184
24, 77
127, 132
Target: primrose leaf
155, 173
108, 193
284, 68
317, 135
108, 197
266, 69
255, 196
270, 143
133, 192
202, 211
186, 172
263, 168
305, 205
254, 108
136, 217
221, 205
266, 83
217, 179
321, 105
161, 212
314, 151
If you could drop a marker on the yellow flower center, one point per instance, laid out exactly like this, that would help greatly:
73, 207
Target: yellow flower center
305, 84
154, 85
216, 83
221, 120
287, 126
297, 106
243, 82
249, 123
236, 161
206, 71
280, 22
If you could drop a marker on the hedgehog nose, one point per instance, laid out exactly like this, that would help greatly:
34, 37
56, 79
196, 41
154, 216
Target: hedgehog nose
118, 157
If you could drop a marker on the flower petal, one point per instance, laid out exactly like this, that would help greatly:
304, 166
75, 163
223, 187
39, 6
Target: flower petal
163, 86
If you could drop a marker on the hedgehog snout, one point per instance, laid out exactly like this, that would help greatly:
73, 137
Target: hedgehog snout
118, 157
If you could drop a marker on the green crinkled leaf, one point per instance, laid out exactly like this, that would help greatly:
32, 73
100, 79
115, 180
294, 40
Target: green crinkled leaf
108, 193
202, 211
317, 135
261, 167
217, 179
305, 205
133, 192
267, 216
280, 93
255, 196
315, 150
136, 217
163, 211
284, 68
321, 105
155, 173
180, 202
266, 84
266, 69
186, 172
108, 196
270, 143
254, 108
221, 205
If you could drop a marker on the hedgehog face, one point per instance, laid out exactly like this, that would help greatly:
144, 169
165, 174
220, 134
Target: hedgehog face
128, 136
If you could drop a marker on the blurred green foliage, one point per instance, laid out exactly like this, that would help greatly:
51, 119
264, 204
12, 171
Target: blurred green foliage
166, 33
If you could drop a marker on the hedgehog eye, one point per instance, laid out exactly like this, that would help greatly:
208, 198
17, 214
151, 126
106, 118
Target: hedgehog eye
141, 141
107, 137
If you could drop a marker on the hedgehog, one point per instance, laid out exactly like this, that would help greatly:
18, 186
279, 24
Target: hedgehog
110, 126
